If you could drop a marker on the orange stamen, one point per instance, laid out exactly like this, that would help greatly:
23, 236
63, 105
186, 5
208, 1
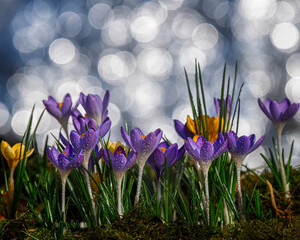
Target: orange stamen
60, 105
65, 153
163, 149
82, 135
143, 137
118, 152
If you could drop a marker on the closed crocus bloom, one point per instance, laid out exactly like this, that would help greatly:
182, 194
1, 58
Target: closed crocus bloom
94, 107
279, 113
61, 111
157, 158
12, 154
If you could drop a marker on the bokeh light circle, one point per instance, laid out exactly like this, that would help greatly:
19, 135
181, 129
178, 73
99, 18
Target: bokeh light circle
61, 51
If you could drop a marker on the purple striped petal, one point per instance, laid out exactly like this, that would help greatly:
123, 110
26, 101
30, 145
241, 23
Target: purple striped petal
206, 152
131, 158
105, 126
266, 108
76, 140
136, 139
290, 112
119, 163
171, 153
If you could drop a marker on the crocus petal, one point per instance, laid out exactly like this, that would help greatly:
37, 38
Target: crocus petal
156, 161
149, 144
89, 140
180, 154
257, 144
131, 158
265, 109
217, 105
63, 161
105, 102
9, 154
66, 106
136, 139
206, 152
105, 126
119, 162
103, 153
284, 104
219, 152
243, 145
54, 111
158, 133
171, 153
76, 140
63, 139
126, 138
192, 148
51, 158
232, 140
275, 110
290, 112
200, 141
179, 127
92, 124
163, 144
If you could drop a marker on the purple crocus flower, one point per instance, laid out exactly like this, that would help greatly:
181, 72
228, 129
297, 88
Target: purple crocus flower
94, 107
217, 103
204, 151
240, 147
157, 158
144, 146
61, 111
119, 162
66, 161
81, 123
279, 113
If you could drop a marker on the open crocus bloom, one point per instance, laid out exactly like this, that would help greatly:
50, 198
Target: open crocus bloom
189, 129
240, 147
204, 151
12, 154
94, 107
119, 162
61, 111
66, 161
279, 113
157, 158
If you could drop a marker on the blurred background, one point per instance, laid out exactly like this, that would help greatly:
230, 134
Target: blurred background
137, 50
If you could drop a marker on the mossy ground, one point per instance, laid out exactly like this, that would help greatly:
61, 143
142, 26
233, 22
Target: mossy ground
140, 223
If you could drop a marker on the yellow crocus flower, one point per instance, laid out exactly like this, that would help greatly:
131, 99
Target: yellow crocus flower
112, 146
213, 127
12, 154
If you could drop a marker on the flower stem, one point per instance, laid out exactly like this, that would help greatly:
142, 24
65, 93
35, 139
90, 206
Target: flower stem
120, 209
225, 211
158, 191
63, 196
286, 186
205, 173
239, 191
139, 185
85, 165
10, 193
